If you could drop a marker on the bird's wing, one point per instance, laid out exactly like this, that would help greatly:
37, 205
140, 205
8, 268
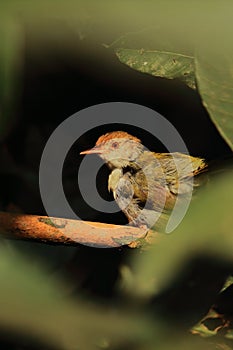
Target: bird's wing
154, 186
181, 171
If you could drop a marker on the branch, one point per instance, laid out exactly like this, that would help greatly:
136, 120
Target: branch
66, 231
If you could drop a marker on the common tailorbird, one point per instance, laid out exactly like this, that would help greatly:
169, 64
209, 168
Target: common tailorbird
146, 185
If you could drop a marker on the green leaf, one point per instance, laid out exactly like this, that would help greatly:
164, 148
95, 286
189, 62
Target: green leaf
214, 74
168, 65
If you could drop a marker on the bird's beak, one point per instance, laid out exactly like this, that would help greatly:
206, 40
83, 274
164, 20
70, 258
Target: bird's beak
94, 150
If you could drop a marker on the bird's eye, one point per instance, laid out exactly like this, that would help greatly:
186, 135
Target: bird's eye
115, 145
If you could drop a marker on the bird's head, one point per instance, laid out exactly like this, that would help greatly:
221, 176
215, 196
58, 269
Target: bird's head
118, 148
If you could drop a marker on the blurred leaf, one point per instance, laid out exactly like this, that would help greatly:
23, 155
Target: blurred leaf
214, 72
34, 303
168, 65
155, 21
151, 38
228, 283
206, 230
202, 329
10, 61
229, 334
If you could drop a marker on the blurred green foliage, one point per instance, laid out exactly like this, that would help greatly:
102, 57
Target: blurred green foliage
31, 300
10, 65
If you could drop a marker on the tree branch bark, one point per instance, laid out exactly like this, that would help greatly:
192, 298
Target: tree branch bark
66, 231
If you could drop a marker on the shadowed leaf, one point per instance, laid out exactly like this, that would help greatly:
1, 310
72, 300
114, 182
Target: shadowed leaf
214, 74
168, 65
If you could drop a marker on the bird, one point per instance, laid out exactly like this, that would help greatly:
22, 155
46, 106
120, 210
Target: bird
145, 184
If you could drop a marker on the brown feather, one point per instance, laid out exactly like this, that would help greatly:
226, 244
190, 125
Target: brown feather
116, 135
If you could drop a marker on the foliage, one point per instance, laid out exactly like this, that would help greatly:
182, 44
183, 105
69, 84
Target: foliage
209, 65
